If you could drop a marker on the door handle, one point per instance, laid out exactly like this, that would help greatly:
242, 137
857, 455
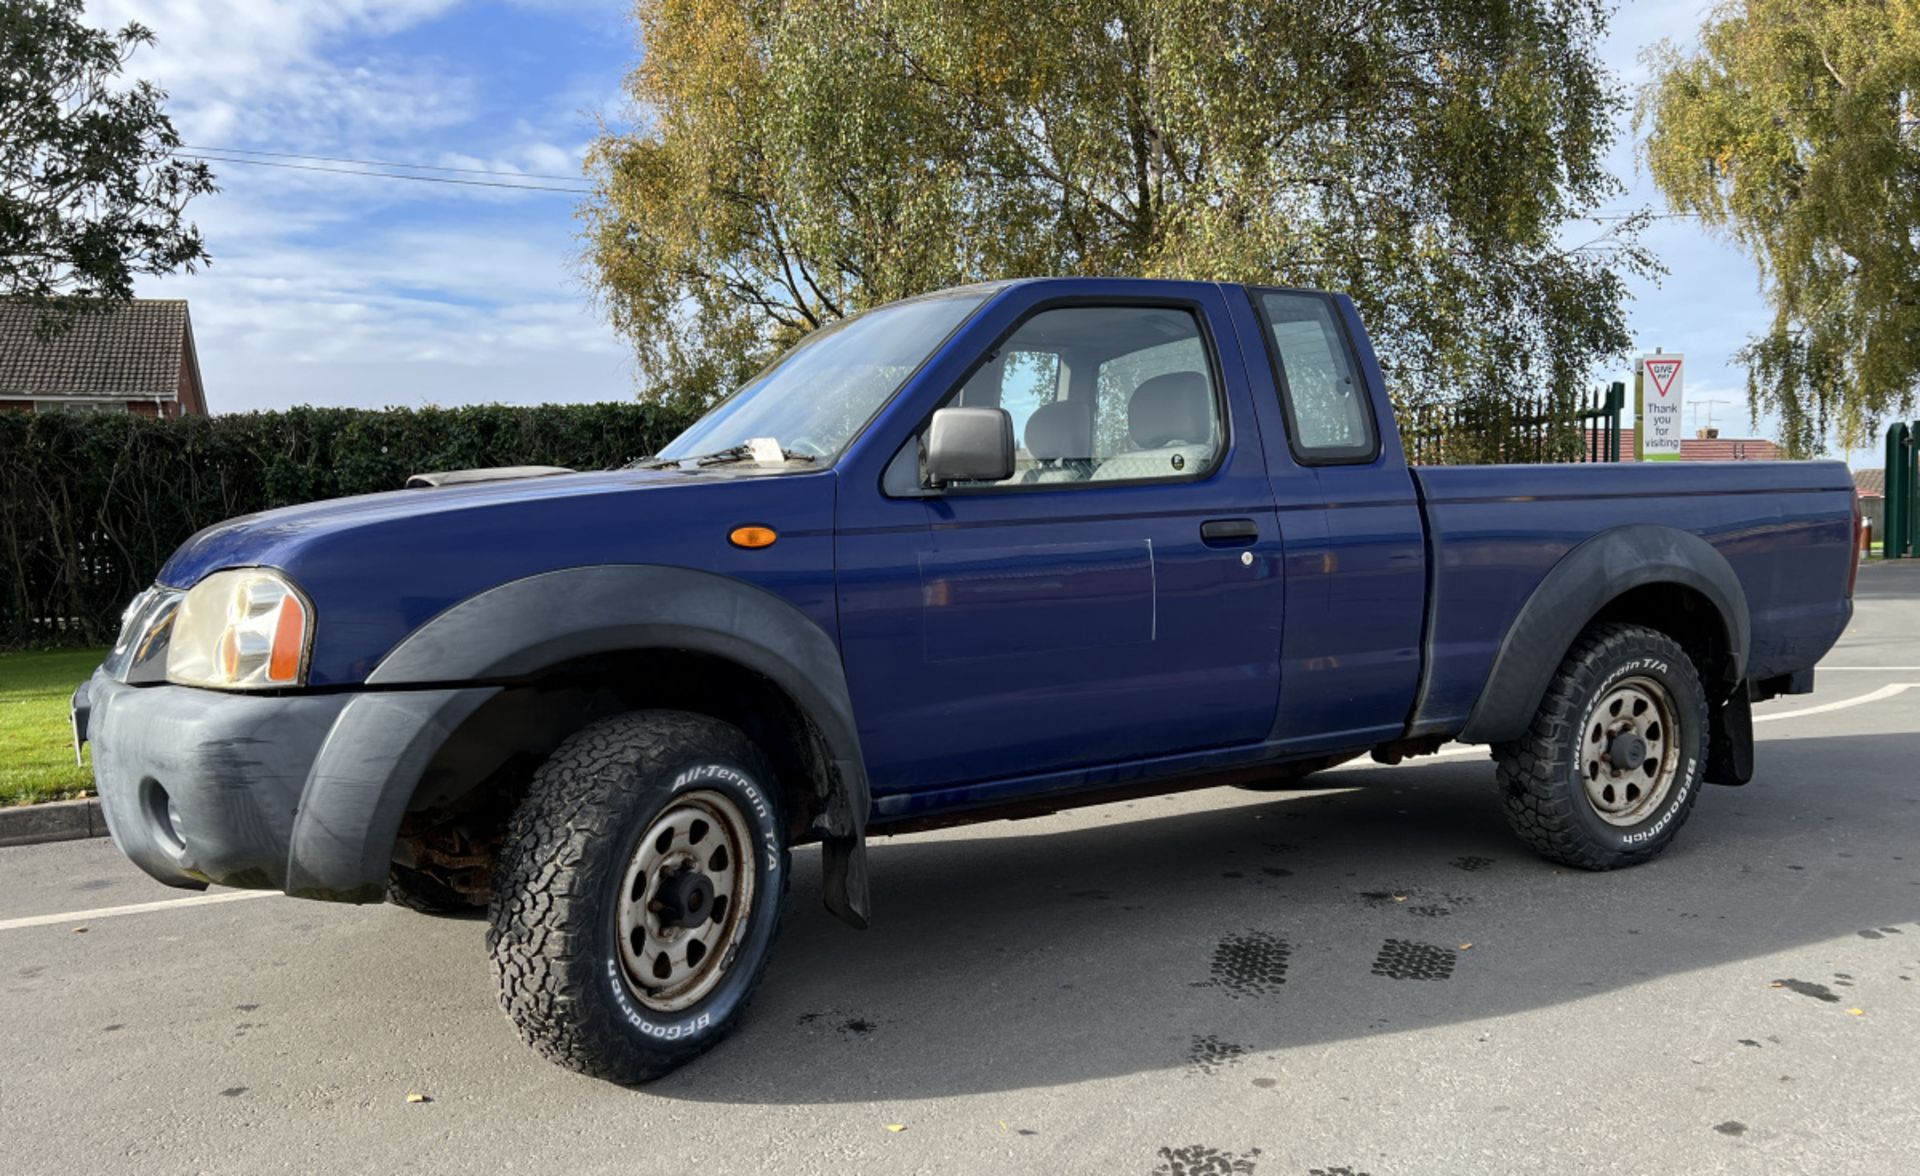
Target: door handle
1229, 532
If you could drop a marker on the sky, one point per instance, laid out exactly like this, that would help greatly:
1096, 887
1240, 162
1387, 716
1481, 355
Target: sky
349, 290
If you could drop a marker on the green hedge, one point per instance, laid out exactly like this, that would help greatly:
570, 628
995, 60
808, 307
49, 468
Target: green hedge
92, 504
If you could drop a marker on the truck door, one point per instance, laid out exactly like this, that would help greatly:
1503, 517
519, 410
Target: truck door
1117, 599
1355, 543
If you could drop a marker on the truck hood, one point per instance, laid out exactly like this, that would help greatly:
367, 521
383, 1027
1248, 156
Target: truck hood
376, 566
270, 537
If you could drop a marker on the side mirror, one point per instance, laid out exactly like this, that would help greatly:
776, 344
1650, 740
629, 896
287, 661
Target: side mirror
969, 445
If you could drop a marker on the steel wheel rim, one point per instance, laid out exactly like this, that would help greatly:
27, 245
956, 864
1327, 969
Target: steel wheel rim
669, 965
1620, 791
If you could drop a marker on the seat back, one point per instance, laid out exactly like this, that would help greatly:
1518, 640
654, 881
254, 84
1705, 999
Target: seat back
1170, 422
1059, 437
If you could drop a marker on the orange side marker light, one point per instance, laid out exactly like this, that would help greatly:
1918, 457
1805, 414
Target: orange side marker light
289, 642
752, 537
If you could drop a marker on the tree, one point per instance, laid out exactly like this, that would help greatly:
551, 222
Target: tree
796, 160
90, 192
1795, 130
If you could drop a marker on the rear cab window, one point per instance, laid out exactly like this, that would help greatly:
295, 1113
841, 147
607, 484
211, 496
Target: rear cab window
1329, 417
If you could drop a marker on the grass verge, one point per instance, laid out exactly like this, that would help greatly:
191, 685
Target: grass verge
36, 746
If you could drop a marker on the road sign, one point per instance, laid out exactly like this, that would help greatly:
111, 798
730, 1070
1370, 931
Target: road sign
1658, 381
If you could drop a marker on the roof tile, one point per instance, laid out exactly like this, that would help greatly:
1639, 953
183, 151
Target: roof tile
133, 351
1710, 448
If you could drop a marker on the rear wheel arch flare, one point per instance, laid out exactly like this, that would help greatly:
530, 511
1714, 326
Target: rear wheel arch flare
1631, 574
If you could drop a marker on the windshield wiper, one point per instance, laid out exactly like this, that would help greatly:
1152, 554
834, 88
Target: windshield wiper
726, 456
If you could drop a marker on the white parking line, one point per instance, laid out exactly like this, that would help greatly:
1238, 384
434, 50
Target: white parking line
1843, 704
1870, 669
138, 908
1459, 749
1447, 752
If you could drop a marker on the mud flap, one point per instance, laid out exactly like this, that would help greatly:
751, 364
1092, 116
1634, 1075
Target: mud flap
841, 827
843, 862
1730, 740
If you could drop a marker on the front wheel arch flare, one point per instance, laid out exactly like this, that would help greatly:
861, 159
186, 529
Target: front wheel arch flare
526, 626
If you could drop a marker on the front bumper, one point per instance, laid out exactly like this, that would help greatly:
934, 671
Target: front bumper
299, 792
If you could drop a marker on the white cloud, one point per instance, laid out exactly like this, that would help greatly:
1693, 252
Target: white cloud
532, 157
331, 289
243, 46
611, 11
405, 317
321, 105
252, 69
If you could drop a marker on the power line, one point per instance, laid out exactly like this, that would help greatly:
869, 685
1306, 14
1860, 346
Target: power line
1627, 216
231, 155
472, 171
379, 175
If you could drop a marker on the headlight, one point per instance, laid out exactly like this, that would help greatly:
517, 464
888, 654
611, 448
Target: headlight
241, 629
139, 657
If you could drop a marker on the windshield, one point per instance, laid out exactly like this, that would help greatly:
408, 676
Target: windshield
817, 396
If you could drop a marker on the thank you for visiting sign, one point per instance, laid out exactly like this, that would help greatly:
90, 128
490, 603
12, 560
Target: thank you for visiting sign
1657, 381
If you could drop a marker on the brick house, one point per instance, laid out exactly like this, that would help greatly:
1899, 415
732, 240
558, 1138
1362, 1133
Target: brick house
136, 358
1706, 445
1709, 445
1871, 487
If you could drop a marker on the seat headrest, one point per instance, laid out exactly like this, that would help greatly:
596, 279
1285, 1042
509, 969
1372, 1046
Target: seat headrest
1061, 431
1173, 409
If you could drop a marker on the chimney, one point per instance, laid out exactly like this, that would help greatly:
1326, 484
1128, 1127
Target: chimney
1708, 434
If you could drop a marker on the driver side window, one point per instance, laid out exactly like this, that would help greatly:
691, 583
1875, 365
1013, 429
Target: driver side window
1102, 394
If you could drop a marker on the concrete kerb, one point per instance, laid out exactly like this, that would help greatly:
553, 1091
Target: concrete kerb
60, 820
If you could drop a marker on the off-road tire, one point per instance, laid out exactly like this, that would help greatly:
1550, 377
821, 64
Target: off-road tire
1540, 774
551, 932
418, 891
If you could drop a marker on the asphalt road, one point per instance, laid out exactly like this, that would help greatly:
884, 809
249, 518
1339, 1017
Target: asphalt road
1373, 978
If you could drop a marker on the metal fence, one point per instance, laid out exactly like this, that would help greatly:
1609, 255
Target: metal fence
1530, 431
1901, 537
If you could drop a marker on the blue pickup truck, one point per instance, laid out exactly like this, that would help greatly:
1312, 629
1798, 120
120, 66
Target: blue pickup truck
990, 552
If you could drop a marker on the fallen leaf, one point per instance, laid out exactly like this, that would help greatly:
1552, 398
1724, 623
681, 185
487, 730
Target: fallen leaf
896, 1128
414, 1096
1466, 947
1399, 898
1776, 984
79, 930
1003, 1125
1856, 1012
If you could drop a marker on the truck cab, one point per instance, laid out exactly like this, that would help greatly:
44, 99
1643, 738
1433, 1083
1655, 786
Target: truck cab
1159, 531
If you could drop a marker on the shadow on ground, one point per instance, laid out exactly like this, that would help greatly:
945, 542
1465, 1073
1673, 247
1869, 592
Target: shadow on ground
1014, 957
